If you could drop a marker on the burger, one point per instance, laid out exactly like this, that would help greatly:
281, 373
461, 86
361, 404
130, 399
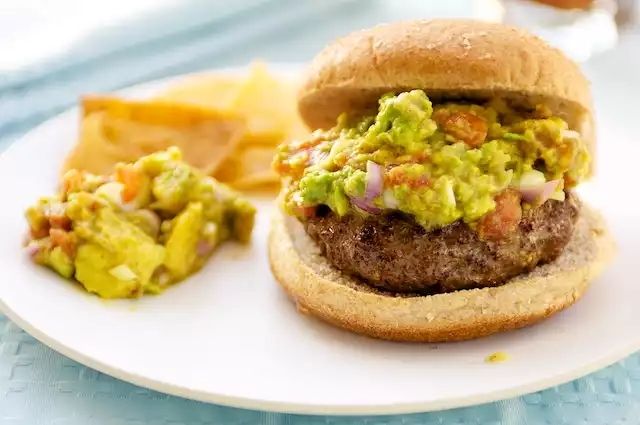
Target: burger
435, 199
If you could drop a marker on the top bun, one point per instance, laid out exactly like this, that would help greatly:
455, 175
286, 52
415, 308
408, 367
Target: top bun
448, 59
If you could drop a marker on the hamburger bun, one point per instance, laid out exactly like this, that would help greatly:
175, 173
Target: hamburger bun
448, 59
323, 292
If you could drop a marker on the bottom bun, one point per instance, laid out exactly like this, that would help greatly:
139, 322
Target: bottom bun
322, 291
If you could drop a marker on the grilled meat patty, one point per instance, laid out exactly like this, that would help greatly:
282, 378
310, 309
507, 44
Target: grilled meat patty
394, 253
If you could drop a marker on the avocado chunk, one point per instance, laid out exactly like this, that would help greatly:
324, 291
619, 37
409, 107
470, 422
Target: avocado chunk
182, 244
112, 242
61, 263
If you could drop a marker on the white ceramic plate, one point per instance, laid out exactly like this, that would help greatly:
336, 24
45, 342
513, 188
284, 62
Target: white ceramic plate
230, 336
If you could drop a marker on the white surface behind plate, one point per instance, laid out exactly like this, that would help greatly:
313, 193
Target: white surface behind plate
250, 348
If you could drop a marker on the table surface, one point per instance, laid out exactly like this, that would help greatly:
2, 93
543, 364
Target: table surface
40, 386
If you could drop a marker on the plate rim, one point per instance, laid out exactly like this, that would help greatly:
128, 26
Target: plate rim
277, 406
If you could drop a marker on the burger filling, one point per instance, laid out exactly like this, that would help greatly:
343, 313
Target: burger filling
485, 167
438, 164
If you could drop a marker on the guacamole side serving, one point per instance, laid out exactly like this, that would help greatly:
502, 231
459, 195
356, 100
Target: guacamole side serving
438, 163
151, 224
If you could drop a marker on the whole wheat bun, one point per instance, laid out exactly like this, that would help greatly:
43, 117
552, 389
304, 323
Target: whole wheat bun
448, 59
322, 291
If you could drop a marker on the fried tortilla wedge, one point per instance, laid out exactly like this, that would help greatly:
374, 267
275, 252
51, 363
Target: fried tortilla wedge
206, 90
249, 168
117, 130
269, 104
267, 101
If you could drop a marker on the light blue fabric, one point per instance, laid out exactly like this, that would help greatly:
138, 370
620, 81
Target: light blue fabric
39, 386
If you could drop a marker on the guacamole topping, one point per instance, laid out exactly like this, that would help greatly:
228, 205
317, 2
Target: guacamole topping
438, 163
150, 224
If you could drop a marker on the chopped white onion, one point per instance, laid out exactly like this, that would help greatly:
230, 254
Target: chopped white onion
451, 196
163, 278
390, 200
123, 272
153, 220
539, 194
531, 178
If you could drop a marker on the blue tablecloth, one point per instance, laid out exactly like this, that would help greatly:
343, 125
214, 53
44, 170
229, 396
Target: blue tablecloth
39, 386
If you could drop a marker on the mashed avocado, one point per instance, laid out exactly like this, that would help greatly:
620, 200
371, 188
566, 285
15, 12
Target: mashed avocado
438, 163
151, 224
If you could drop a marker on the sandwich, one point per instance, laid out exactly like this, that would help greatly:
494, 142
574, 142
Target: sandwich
436, 199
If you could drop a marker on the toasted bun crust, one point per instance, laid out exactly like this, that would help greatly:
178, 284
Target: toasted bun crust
322, 291
448, 59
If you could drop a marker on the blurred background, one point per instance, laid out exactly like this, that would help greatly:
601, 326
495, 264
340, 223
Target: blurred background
53, 51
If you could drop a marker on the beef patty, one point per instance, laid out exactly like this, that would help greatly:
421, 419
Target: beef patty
394, 253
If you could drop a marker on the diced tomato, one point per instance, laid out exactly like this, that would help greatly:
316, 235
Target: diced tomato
65, 240
281, 167
38, 222
307, 211
397, 176
132, 181
60, 222
39, 233
284, 169
303, 211
569, 182
504, 219
464, 126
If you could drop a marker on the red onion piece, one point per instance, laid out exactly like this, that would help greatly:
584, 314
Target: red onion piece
539, 194
33, 249
204, 247
365, 205
317, 156
373, 187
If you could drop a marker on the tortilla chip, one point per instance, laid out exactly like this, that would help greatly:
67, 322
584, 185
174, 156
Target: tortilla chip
248, 168
115, 130
219, 92
269, 103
